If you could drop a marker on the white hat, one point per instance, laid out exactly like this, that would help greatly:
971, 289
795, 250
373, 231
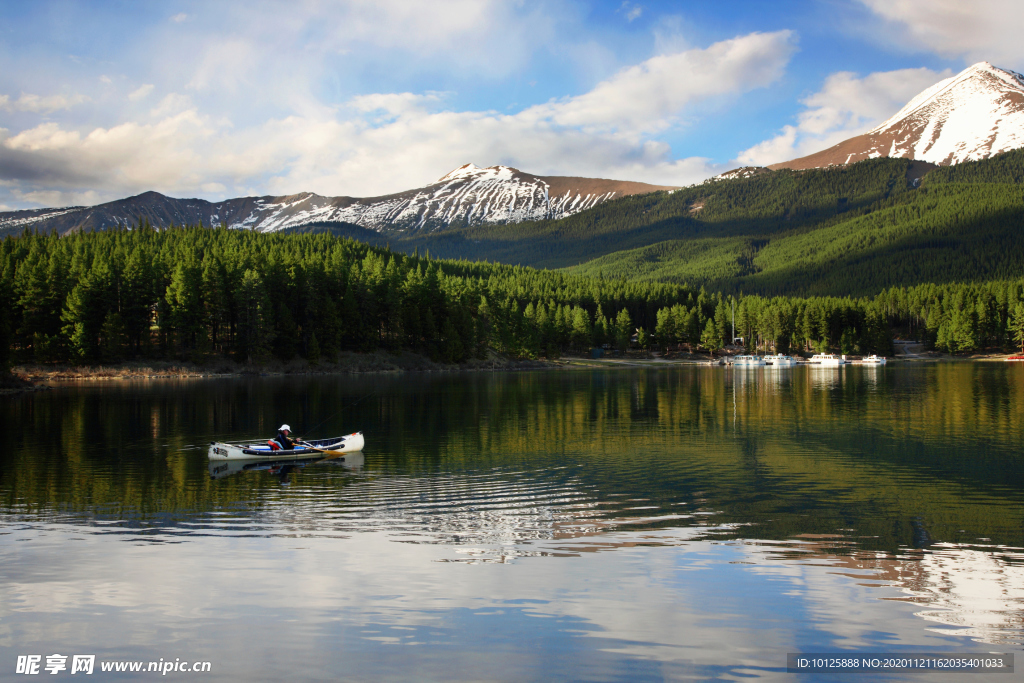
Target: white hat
285, 428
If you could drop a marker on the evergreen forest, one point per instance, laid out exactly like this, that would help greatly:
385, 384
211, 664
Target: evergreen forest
196, 293
843, 231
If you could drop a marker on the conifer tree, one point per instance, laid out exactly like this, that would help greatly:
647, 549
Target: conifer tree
710, 339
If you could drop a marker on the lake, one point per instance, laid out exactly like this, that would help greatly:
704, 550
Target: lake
671, 523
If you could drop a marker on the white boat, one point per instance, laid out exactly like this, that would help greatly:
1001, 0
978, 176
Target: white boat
873, 360
748, 361
781, 361
827, 360
249, 450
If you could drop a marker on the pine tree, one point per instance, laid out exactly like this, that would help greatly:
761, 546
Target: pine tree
1016, 325
255, 330
623, 329
710, 339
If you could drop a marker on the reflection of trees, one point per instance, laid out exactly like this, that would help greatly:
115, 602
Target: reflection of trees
785, 450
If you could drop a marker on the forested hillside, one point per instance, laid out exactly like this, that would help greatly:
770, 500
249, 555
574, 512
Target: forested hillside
852, 230
197, 293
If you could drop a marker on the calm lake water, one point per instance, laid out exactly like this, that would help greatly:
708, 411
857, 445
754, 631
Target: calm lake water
677, 523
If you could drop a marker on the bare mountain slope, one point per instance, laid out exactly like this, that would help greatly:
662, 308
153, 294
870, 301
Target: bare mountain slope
469, 195
974, 115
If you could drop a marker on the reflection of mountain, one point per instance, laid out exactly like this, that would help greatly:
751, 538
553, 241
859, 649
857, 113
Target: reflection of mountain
978, 592
981, 594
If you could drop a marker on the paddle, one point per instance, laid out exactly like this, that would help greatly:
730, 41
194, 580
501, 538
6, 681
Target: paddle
329, 454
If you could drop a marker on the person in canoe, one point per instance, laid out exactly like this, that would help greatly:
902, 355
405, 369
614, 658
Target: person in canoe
282, 440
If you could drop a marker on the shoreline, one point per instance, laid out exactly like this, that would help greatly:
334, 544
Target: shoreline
378, 362
32, 377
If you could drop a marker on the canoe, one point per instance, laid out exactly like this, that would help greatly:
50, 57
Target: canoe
250, 450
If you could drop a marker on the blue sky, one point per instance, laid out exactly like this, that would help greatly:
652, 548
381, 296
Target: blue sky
101, 100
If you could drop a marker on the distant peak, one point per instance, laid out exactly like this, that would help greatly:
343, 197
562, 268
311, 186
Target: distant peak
977, 80
473, 171
461, 172
990, 69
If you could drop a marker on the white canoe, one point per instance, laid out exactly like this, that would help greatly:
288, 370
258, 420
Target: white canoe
261, 449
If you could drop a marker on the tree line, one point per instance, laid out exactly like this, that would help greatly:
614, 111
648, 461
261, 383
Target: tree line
196, 292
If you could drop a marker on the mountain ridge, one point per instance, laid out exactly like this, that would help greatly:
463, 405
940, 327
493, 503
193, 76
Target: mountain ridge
468, 195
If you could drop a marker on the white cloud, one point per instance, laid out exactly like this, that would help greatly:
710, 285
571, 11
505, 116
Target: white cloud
40, 104
107, 161
285, 50
631, 11
846, 106
396, 104
178, 18
649, 96
106, 79
388, 142
172, 103
141, 93
58, 198
979, 30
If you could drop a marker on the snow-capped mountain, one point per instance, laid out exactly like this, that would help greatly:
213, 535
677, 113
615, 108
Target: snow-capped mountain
469, 195
974, 115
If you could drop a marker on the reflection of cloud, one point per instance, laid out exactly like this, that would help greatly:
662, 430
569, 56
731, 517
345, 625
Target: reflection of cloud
979, 593
694, 606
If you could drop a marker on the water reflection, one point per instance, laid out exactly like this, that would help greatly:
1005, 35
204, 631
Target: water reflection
866, 505
226, 468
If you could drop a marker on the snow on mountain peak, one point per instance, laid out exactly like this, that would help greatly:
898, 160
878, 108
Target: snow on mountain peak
981, 79
469, 195
473, 171
464, 171
973, 115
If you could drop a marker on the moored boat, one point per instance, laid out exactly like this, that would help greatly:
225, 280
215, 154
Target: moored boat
748, 361
827, 360
873, 360
250, 450
781, 361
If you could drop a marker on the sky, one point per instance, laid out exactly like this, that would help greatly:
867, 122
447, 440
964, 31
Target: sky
104, 100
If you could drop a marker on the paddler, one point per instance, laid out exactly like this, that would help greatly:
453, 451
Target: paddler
283, 439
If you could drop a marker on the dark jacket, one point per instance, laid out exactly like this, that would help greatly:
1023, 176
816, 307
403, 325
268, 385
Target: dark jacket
286, 443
